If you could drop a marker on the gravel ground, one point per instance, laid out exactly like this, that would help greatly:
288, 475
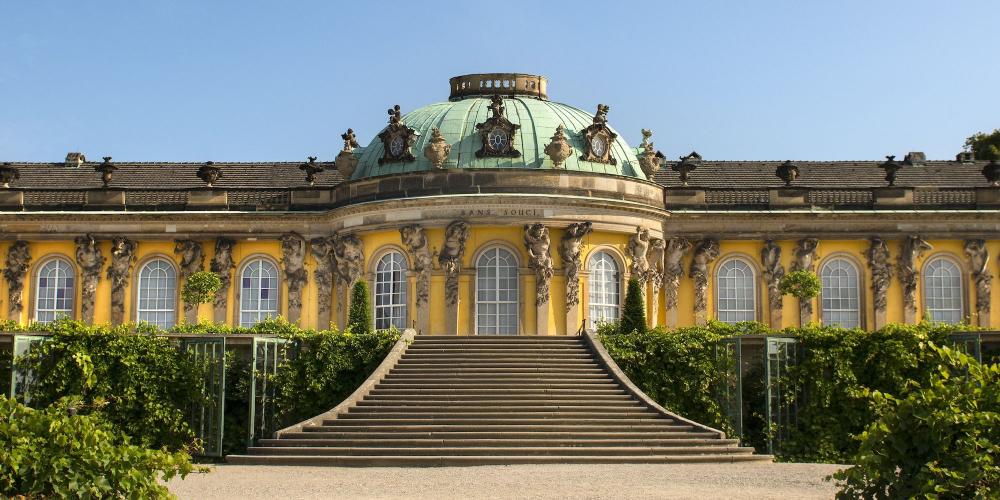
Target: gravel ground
697, 481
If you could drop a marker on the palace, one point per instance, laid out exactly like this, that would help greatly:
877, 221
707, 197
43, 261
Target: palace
501, 212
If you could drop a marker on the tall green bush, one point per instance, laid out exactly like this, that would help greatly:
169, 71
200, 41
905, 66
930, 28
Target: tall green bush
360, 317
52, 453
144, 385
634, 311
200, 287
330, 365
941, 440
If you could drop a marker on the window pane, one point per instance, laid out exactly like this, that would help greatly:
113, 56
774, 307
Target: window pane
943, 291
258, 292
496, 293
604, 293
735, 292
157, 294
54, 291
840, 294
390, 291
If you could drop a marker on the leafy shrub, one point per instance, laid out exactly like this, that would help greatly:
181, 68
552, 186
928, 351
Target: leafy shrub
359, 318
329, 366
634, 311
143, 384
942, 440
200, 287
800, 284
51, 453
679, 369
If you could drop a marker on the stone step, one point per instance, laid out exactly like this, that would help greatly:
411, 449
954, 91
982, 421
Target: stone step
489, 375
450, 433
554, 426
449, 410
497, 371
517, 403
369, 442
481, 349
497, 338
450, 391
496, 385
483, 424
500, 450
460, 461
417, 379
467, 357
496, 363
500, 399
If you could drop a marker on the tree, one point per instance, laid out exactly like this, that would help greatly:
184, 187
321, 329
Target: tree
985, 146
634, 313
802, 285
359, 319
200, 287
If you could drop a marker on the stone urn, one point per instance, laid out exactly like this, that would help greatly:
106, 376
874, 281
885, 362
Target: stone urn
558, 149
437, 149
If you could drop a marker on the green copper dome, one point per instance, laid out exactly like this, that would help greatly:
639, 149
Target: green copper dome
538, 119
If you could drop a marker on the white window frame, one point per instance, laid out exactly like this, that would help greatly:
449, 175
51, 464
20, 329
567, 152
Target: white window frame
389, 291
834, 287
167, 292
63, 270
604, 272
721, 279
258, 312
932, 283
482, 266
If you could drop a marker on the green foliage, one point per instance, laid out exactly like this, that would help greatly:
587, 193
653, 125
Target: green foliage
680, 369
54, 453
330, 365
985, 146
200, 287
634, 311
359, 318
941, 440
142, 384
800, 284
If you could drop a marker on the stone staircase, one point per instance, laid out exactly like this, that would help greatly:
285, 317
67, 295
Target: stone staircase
438, 401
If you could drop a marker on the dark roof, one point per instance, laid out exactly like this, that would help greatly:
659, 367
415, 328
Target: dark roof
826, 175
171, 176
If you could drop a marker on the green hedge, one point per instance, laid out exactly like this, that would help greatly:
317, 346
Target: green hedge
942, 440
142, 384
831, 385
52, 453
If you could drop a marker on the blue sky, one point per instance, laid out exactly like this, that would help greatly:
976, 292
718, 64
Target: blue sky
246, 80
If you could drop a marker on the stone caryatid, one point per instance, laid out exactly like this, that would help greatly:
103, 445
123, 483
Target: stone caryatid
673, 269
450, 258
91, 261
881, 271
638, 245
770, 258
415, 240
913, 247
192, 260
222, 265
122, 259
349, 252
536, 241
705, 252
805, 260
323, 254
15, 270
654, 262
979, 258
570, 248
293, 256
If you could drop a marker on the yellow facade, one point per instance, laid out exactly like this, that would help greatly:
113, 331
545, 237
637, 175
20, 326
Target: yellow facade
378, 242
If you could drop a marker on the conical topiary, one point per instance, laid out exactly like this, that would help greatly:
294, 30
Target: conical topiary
359, 318
634, 313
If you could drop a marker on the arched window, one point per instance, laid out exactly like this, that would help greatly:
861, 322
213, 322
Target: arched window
54, 291
258, 292
390, 291
943, 290
604, 296
735, 292
841, 294
157, 294
496, 293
